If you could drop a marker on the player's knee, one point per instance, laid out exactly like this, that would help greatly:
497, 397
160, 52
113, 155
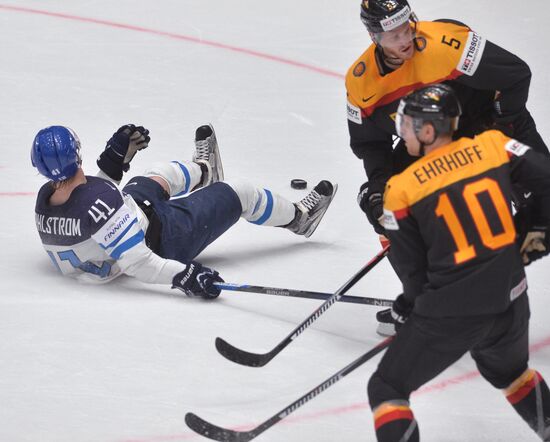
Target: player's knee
503, 376
247, 193
379, 391
169, 173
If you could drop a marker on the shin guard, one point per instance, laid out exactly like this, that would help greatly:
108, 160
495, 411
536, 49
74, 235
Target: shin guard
530, 397
394, 422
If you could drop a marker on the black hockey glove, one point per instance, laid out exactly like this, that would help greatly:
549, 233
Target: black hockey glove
397, 314
371, 201
533, 232
535, 244
197, 280
121, 148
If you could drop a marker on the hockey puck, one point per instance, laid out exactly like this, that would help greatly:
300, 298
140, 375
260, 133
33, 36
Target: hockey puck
298, 184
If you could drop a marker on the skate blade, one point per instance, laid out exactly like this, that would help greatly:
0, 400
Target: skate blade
217, 156
314, 225
385, 329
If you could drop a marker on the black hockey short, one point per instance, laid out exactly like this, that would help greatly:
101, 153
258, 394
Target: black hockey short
425, 347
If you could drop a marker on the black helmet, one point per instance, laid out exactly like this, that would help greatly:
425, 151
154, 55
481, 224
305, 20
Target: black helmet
436, 104
385, 15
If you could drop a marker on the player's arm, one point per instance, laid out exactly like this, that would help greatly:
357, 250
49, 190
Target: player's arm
374, 147
120, 235
531, 170
408, 251
120, 150
370, 144
505, 73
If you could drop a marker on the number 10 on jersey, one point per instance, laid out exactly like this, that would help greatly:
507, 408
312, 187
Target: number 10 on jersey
471, 195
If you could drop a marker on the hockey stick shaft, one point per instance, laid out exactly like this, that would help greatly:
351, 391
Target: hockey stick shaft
306, 294
214, 432
259, 360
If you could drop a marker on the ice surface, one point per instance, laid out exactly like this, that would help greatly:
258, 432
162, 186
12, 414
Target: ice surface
125, 361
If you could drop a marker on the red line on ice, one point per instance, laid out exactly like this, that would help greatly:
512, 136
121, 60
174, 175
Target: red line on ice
173, 35
430, 388
17, 193
439, 386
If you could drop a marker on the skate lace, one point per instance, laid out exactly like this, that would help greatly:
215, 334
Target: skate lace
201, 150
311, 200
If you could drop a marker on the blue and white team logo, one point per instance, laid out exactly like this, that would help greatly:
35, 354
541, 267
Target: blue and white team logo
115, 227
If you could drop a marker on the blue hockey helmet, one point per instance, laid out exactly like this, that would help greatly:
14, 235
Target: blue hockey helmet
56, 153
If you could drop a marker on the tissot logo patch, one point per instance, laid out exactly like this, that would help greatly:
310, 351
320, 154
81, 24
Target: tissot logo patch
396, 20
354, 113
471, 57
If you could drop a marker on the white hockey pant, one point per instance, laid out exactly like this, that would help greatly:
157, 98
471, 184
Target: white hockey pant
181, 176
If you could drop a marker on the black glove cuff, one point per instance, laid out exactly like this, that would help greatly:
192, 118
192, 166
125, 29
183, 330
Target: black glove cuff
371, 202
402, 306
373, 187
112, 167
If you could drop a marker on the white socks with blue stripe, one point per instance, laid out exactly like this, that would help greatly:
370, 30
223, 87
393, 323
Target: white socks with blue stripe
261, 206
181, 176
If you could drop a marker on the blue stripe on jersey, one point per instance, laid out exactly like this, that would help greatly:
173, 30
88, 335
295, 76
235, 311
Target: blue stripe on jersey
50, 254
128, 244
116, 241
268, 209
187, 178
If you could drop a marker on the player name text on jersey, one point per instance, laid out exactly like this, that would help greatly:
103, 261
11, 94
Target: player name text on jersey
58, 225
448, 163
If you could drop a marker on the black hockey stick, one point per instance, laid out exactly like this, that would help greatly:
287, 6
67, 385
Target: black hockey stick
291, 293
214, 432
260, 359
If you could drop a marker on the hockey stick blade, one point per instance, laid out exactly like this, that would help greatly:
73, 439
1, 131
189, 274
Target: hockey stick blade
260, 359
211, 431
243, 357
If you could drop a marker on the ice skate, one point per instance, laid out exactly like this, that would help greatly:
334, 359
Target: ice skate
311, 209
386, 324
207, 155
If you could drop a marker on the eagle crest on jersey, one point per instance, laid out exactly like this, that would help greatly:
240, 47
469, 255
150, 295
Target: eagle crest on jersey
457, 49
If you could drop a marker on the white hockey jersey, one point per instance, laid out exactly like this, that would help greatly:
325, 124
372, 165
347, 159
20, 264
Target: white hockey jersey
98, 234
